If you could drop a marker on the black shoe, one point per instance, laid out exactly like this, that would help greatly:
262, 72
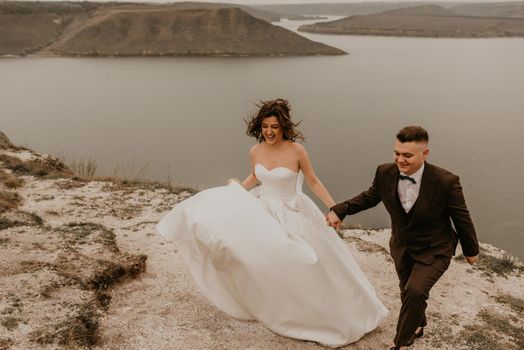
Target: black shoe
420, 333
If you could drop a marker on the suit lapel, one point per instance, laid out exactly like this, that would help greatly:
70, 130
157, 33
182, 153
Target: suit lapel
391, 190
426, 192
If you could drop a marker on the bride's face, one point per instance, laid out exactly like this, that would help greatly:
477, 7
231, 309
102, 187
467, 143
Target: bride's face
271, 130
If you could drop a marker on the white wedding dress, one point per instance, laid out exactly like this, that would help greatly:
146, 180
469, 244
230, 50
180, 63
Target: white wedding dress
268, 255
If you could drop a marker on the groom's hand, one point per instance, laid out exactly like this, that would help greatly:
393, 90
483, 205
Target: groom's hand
472, 260
333, 220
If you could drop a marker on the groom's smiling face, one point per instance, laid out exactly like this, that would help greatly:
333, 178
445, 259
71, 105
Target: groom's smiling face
409, 156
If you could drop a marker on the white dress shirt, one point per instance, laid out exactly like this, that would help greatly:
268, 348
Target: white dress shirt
408, 191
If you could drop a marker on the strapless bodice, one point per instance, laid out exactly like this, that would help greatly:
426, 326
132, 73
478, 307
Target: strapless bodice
277, 184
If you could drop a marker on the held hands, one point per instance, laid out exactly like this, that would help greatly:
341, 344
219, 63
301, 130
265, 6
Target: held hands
472, 260
332, 220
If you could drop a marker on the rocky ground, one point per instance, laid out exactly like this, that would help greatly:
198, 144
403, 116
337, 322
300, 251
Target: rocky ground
82, 266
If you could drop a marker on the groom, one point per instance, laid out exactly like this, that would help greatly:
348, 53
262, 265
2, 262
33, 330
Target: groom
422, 200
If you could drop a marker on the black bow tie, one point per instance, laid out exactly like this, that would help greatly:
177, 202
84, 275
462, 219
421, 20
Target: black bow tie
405, 177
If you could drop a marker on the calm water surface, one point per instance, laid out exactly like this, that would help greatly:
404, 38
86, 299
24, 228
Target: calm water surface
181, 118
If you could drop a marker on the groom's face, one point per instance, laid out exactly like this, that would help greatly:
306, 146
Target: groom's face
409, 156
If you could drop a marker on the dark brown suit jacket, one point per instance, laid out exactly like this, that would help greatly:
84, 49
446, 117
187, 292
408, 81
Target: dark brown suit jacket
427, 231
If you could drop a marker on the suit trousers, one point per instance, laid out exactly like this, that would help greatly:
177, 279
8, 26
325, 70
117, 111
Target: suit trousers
416, 280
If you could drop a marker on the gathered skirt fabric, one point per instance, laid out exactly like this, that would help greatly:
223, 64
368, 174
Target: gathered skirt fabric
275, 261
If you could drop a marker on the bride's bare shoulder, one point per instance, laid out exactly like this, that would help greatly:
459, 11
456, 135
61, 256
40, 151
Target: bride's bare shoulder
254, 150
297, 147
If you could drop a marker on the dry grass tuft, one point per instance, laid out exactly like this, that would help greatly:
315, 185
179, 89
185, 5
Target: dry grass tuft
83, 168
80, 329
40, 167
4, 141
78, 232
6, 223
46, 290
9, 200
104, 272
124, 179
492, 265
516, 304
9, 180
475, 337
133, 185
110, 272
502, 266
21, 218
70, 184
368, 247
33, 219
10, 322
88, 263
494, 330
103, 299
29, 266
6, 343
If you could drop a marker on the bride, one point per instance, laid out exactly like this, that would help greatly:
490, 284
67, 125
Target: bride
268, 254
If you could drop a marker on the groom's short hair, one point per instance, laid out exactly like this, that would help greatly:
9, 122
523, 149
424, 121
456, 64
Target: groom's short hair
413, 133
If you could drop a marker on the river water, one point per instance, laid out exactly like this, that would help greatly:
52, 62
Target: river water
181, 118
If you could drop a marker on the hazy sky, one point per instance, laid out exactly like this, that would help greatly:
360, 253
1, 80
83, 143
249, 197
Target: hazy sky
330, 1
249, 2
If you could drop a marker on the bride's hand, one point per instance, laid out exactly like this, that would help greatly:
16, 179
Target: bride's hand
230, 180
333, 220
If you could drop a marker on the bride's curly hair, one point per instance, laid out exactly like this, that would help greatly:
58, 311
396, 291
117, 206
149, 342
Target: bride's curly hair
280, 109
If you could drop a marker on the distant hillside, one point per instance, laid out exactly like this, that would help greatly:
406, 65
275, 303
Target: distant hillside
482, 9
65, 7
21, 35
187, 5
421, 21
57, 7
138, 29
505, 9
343, 9
265, 14
423, 10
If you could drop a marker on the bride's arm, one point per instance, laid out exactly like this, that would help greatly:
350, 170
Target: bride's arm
251, 180
314, 183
